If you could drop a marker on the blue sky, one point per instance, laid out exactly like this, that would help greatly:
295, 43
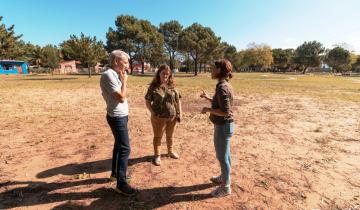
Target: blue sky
278, 23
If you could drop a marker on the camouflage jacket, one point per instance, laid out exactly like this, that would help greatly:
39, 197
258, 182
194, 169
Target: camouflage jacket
164, 101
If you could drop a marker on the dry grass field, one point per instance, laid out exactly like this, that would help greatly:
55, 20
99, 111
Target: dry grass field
296, 145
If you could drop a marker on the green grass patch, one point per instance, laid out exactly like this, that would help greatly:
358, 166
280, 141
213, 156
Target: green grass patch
324, 87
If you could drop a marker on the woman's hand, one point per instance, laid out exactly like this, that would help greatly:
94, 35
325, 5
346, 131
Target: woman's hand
204, 95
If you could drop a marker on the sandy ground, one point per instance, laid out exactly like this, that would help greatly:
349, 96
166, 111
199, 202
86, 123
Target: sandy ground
288, 152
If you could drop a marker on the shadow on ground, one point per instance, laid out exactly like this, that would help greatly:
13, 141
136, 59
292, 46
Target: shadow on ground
88, 167
37, 193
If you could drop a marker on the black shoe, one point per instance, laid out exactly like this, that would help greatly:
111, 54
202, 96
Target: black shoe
126, 190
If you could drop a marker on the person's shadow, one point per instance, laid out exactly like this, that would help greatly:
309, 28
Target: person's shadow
89, 167
36, 193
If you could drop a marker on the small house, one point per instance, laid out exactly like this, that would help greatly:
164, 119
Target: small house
13, 67
67, 67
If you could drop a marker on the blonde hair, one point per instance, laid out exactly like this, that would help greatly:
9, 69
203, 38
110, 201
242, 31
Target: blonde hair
118, 54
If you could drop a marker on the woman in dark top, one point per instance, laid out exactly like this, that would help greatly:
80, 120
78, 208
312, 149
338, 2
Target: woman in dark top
163, 102
221, 115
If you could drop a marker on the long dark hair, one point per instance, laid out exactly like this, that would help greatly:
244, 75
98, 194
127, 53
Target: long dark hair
156, 82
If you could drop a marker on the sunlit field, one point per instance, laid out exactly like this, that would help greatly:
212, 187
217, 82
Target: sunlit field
296, 144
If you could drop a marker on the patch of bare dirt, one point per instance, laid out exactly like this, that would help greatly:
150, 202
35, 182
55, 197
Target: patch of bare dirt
287, 153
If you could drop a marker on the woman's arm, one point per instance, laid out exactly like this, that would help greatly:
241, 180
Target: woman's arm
224, 109
216, 112
180, 109
148, 106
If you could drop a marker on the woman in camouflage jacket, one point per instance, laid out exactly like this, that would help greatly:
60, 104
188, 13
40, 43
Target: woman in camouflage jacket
163, 102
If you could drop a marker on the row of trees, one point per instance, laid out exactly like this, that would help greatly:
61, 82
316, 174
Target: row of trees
169, 42
309, 54
196, 46
88, 50
199, 45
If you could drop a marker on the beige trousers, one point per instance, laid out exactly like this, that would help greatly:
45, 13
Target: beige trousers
161, 125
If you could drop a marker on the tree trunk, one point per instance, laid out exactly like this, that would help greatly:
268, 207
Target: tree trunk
171, 61
196, 70
142, 67
187, 65
89, 69
171, 65
304, 71
131, 65
187, 62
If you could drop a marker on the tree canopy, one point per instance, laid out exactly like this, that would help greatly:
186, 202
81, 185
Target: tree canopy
50, 57
171, 31
85, 49
308, 55
139, 38
339, 59
195, 46
10, 43
198, 41
257, 57
282, 58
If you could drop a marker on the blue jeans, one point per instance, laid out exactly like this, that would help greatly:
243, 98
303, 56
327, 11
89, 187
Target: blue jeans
121, 149
222, 136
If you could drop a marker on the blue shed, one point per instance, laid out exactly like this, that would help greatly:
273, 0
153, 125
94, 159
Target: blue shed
13, 67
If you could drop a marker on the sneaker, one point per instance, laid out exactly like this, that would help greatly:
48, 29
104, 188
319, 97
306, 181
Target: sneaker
126, 190
173, 155
221, 191
157, 160
216, 179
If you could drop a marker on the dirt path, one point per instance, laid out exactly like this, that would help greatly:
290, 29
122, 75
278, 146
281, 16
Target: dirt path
288, 153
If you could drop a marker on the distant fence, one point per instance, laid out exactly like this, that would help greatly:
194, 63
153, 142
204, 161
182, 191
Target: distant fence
79, 71
349, 74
